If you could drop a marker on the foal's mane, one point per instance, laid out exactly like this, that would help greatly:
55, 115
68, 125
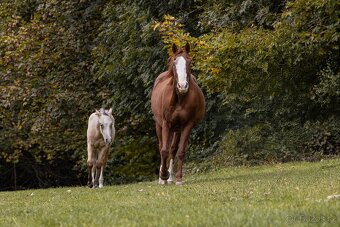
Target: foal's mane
104, 111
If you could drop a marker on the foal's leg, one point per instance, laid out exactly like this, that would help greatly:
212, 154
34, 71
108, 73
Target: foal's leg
181, 152
91, 161
173, 151
99, 178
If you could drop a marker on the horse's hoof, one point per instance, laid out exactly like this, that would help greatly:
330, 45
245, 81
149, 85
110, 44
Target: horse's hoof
89, 184
164, 177
101, 186
179, 183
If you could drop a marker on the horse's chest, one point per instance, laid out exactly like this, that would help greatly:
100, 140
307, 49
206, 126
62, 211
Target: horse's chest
98, 143
177, 116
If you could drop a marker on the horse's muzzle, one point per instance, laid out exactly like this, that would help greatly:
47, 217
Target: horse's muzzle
182, 87
108, 141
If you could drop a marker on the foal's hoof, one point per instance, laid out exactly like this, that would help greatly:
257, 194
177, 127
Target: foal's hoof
164, 177
162, 182
89, 184
179, 183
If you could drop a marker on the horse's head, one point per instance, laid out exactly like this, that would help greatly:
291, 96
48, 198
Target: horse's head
106, 122
181, 68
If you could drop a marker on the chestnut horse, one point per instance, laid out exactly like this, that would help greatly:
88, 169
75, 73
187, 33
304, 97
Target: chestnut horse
177, 104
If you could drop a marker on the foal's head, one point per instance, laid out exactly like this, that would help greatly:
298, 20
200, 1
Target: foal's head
181, 68
106, 122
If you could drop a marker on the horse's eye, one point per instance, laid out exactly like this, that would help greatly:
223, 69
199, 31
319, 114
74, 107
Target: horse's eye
101, 125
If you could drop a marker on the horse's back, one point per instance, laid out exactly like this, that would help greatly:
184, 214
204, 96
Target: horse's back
92, 127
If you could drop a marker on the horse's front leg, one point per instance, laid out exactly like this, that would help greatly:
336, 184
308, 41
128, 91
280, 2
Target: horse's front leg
166, 139
159, 136
100, 165
183, 142
91, 162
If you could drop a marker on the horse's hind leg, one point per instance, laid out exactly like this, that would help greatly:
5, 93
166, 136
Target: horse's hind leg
173, 151
183, 142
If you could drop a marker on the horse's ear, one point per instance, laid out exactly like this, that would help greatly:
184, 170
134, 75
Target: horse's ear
174, 48
110, 111
187, 47
98, 113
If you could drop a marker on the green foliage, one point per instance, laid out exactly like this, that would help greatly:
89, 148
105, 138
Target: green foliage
132, 160
264, 144
323, 137
246, 144
237, 15
327, 91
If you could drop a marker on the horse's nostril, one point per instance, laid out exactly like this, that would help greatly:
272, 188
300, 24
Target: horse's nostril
182, 85
108, 141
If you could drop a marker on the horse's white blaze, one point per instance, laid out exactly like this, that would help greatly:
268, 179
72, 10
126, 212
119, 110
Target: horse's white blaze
171, 171
181, 69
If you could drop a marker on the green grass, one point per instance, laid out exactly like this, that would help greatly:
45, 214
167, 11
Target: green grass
277, 195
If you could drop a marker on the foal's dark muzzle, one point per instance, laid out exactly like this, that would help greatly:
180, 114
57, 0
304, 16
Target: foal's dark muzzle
108, 141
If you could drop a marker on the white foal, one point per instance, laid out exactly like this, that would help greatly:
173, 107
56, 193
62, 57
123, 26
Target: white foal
100, 135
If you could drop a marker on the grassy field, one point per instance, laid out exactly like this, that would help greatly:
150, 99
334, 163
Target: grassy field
279, 195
